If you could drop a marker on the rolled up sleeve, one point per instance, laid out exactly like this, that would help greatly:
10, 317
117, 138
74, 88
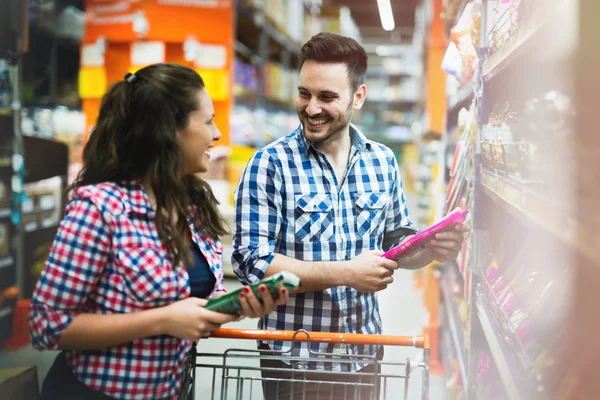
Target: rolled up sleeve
77, 259
258, 202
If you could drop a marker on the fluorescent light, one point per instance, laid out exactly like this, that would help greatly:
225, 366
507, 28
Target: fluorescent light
385, 14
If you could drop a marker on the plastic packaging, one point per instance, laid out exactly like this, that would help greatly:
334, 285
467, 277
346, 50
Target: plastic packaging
422, 239
230, 303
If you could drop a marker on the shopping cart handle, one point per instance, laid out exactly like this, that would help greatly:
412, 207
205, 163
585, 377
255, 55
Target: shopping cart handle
421, 341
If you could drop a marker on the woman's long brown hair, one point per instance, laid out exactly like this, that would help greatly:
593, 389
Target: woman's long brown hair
136, 136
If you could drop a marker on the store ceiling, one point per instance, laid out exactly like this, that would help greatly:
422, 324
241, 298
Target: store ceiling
366, 16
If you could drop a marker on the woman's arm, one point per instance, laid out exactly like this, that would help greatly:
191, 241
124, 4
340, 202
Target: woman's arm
81, 249
185, 319
77, 259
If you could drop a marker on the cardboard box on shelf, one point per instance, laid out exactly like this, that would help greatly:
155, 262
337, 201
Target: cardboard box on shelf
273, 10
281, 20
312, 26
330, 19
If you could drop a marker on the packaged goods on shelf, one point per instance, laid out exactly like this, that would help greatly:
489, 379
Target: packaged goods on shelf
279, 82
486, 383
461, 58
257, 126
504, 21
43, 206
524, 145
331, 19
245, 76
277, 11
5, 88
56, 123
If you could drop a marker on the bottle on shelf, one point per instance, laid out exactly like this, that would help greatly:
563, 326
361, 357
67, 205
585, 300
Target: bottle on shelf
5, 88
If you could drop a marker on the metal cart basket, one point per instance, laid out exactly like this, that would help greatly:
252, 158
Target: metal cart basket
240, 374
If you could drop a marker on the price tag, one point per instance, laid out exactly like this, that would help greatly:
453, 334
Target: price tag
211, 56
146, 53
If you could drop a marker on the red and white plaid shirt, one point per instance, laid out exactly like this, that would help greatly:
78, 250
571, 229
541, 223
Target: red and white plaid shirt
107, 258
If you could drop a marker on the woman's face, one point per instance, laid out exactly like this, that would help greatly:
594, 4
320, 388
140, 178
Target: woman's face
198, 137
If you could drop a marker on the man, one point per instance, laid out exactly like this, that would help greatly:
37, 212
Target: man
322, 203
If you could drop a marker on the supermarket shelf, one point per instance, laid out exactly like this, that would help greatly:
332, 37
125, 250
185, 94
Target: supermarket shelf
465, 93
456, 274
523, 201
448, 351
448, 356
240, 93
6, 262
510, 50
243, 50
456, 335
502, 357
263, 22
459, 11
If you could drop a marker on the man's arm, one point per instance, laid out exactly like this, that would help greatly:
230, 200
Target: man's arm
368, 272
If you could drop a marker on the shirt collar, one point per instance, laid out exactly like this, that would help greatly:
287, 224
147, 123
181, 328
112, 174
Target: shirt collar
359, 141
137, 198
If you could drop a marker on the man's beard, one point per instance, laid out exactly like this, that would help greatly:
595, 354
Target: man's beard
335, 126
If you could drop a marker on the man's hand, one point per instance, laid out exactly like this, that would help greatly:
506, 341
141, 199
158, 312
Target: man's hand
369, 272
446, 245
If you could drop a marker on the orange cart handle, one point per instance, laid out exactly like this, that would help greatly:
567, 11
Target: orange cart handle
421, 341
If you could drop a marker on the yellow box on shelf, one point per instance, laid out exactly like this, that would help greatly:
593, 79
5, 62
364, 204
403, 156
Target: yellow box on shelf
92, 82
217, 83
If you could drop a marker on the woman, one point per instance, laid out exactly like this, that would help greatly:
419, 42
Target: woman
137, 253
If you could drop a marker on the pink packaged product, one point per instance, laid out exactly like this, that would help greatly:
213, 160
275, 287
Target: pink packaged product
419, 241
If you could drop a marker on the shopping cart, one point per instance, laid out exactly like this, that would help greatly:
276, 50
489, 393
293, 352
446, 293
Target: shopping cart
240, 373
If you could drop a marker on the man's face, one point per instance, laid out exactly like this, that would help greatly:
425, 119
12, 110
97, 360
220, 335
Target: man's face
325, 100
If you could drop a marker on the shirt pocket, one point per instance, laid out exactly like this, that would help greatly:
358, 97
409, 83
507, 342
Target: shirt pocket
147, 275
313, 217
370, 211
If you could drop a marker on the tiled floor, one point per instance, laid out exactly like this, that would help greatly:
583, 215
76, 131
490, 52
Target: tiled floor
402, 313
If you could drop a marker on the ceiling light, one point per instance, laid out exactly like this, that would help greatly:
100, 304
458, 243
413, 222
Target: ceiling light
385, 14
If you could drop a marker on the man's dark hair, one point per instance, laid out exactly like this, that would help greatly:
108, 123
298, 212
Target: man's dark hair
331, 48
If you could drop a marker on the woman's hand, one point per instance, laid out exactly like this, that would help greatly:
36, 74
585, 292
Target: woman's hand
188, 319
253, 308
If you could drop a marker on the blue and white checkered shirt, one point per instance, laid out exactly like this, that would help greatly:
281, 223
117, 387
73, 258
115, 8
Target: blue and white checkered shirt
289, 202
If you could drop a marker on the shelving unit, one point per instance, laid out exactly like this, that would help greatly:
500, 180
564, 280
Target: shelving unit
456, 329
497, 348
464, 95
543, 21
267, 58
526, 232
